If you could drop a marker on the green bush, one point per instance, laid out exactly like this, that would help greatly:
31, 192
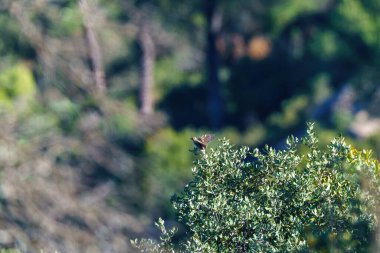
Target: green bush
16, 83
278, 201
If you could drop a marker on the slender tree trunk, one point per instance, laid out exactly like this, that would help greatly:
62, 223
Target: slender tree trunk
95, 53
147, 69
215, 108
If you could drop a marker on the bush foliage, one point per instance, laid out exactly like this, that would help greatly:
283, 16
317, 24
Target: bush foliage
290, 200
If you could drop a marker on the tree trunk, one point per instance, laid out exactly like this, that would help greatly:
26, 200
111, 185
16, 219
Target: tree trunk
147, 69
95, 53
215, 110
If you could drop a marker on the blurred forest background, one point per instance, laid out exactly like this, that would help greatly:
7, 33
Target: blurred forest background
99, 99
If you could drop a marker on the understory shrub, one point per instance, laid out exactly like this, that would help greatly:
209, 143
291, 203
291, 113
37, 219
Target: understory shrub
304, 198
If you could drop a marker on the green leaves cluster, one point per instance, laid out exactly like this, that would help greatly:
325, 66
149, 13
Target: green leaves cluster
164, 246
16, 83
281, 201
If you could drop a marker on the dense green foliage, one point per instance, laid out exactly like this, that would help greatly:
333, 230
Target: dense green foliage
16, 83
279, 201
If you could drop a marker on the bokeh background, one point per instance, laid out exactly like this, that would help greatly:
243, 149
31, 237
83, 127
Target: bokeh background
99, 99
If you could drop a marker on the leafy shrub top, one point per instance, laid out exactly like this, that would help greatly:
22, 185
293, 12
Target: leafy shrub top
280, 201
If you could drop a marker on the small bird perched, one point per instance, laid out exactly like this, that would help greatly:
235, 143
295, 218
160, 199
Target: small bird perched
200, 143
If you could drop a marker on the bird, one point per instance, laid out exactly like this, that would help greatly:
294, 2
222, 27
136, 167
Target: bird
201, 142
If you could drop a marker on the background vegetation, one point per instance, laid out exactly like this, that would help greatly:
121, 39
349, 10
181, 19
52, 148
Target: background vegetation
98, 100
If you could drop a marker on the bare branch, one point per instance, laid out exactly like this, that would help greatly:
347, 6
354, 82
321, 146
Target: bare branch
93, 46
147, 69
